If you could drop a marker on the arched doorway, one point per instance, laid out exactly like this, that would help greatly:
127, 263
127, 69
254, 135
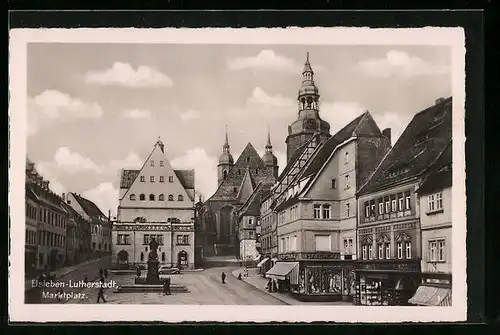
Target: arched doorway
182, 259
225, 224
122, 258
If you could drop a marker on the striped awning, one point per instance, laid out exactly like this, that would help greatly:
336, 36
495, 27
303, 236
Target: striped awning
262, 262
282, 270
431, 296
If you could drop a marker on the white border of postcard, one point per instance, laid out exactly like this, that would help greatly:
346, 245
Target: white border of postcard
19, 311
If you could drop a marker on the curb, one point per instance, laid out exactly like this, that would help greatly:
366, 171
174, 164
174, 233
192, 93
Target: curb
275, 297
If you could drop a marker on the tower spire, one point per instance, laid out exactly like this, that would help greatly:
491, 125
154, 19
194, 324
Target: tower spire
225, 148
269, 146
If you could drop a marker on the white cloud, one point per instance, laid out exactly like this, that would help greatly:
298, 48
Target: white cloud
131, 161
124, 74
266, 59
260, 97
136, 114
205, 168
398, 63
52, 106
47, 173
189, 115
73, 161
105, 196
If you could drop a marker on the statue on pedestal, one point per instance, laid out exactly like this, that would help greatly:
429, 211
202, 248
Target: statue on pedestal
153, 275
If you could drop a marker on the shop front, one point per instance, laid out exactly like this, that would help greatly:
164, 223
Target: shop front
320, 276
30, 260
434, 290
386, 283
264, 265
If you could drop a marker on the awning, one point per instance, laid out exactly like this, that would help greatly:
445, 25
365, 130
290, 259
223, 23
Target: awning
281, 270
262, 262
256, 258
431, 296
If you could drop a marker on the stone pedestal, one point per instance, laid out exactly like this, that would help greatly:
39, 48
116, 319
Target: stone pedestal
153, 275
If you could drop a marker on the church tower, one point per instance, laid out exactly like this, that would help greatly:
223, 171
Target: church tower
269, 158
226, 162
308, 122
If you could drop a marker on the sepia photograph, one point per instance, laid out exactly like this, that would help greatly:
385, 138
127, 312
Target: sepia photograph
238, 170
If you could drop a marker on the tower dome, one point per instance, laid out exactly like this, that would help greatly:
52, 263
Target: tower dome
226, 157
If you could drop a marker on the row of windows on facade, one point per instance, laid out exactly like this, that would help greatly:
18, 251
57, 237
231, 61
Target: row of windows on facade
45, 216
269, 242
436, 250
101, 247
124, 239
393, 203
152, 179
46, 238
161, 197
384, 251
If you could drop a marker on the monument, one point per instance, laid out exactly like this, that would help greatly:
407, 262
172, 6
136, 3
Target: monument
153, 276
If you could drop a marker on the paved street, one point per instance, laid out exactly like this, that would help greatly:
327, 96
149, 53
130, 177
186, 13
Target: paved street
205, 289
78, 273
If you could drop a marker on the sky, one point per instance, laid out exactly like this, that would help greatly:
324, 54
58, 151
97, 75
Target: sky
94, 109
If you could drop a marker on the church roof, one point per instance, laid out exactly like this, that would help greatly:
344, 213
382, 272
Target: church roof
186, 177
249, 160
420, 144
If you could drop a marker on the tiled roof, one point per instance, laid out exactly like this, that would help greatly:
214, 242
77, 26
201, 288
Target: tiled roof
252, 204
249, 159
30, 194
439, 175
186, 177
294, 157
285, 204
88, 206
46, 197
423, 140
128, 177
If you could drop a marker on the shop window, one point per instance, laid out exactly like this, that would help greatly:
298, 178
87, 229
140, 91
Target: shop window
321, 280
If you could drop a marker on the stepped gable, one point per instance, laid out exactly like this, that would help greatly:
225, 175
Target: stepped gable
440, 174
421, 143
89, 207
249, 159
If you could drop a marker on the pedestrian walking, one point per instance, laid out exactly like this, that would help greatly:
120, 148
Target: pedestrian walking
223, 276
167, 286
106, 273
100, 294
85, 279
100, 273
138, 271
239, 276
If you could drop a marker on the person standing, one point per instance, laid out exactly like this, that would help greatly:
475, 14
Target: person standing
106, 273
100, 273
167, 283
223, 276
100, 294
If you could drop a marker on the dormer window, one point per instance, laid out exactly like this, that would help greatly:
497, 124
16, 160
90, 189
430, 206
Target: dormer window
152, 163
132, 197
161, 163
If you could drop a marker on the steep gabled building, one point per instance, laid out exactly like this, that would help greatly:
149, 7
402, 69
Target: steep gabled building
389, 230
237, 181
315, 206
156, 202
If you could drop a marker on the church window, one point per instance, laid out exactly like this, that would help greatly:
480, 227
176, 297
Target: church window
152, 179
161, 163
225, 174
162, 179
170, 197
248, 159
143, 179
170, 179
180, 198
132, 197
161, 197
142, 197
152, 163
151, 197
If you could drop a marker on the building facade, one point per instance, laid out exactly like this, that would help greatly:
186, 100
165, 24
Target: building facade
237, 181
31, 229
269, 233
436, 225
156, 202
389, 228
99, 223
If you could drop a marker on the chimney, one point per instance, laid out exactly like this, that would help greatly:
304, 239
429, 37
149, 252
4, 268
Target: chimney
63, 196
387, 133
439, 100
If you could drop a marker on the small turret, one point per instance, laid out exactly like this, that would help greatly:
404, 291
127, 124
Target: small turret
226, 161
269, 158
